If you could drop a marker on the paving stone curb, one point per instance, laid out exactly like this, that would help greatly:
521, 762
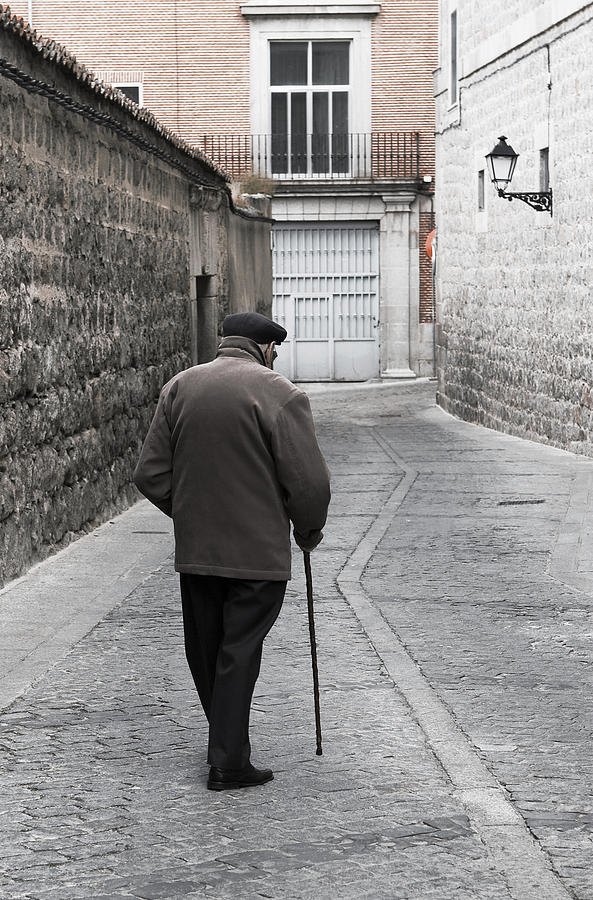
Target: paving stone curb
526, 868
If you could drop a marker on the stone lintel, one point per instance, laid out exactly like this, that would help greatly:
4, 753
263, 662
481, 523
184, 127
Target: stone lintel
251, 10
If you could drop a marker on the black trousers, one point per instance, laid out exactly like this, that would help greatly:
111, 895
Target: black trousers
225, 621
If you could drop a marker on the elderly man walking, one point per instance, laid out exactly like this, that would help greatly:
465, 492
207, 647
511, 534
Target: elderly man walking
232, 456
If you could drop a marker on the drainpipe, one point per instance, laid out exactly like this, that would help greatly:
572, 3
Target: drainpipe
433, 292
30, 13
434, 311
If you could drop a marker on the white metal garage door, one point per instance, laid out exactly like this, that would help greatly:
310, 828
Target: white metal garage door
326, 296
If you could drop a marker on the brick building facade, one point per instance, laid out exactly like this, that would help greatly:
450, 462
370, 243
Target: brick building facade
119, 250
330, 105
514, 284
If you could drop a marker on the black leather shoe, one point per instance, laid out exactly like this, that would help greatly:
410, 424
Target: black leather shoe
228, 779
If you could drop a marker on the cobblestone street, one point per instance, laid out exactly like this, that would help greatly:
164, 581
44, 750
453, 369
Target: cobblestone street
454, 624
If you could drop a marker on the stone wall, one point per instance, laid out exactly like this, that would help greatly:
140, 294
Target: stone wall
514, 285
250, 274
95, 287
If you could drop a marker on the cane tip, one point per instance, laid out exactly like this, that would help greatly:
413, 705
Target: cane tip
319, 751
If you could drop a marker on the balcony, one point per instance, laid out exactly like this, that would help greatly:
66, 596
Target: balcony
292, 157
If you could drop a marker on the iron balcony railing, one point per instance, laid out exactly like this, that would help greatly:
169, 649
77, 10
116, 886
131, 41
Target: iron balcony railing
382, 154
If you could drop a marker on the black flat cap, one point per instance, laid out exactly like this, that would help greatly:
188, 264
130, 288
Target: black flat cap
255, 326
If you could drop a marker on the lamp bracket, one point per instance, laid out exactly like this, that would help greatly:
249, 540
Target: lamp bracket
538, 200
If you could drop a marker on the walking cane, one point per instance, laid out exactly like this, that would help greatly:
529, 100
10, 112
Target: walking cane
307, 558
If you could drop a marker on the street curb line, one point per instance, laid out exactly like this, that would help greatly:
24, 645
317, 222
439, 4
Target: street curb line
513, 849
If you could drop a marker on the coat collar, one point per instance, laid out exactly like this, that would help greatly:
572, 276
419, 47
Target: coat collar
241, 348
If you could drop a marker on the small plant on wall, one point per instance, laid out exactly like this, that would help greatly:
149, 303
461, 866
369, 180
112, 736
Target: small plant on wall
256, 184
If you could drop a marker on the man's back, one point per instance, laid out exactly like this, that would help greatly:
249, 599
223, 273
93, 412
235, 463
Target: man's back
244, 460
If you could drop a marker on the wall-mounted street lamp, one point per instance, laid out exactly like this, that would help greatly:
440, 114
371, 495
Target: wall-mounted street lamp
501, 166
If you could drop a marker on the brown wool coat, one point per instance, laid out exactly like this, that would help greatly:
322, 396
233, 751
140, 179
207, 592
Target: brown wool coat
232, 456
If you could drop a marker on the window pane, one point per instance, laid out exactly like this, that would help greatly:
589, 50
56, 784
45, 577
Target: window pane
330, 62
340, 112
288, 62
320, 113
298, 114
298, 128
320, 139
279, 134
340, 162
279, 114
130, 90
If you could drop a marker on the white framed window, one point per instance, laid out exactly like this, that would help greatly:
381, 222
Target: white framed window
453, 60
133, 91
352, 31
544, 169
309, 107
481, 190
129, 82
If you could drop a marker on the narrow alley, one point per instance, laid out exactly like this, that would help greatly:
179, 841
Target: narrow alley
454, 626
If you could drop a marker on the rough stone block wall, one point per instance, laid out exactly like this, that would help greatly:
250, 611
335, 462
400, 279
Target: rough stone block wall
250, 269
93, 314
514, 285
